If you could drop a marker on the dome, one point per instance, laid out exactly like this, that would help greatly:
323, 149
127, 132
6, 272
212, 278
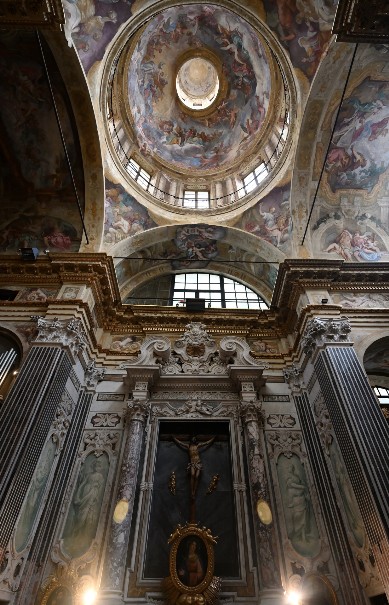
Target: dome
198, 96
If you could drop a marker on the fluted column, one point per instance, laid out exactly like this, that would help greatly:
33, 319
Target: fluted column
359, 426
29, 410
336, 531
271, 592
115, 565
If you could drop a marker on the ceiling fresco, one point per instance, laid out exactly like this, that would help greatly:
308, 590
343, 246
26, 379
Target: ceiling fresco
124, 216
304, 29
91, 24
270, 219
199, 246
359, 152
35, 177
174, 136
350, 218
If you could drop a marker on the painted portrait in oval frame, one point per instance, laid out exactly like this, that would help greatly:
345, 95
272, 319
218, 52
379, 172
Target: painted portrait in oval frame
192, 559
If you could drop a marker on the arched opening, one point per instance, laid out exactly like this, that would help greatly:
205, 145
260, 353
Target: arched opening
9, 363
217, 290
376, 363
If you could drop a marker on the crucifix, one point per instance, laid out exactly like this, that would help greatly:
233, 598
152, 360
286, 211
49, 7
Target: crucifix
194, 467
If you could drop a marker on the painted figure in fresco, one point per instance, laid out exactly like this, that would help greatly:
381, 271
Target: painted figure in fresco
300, 505
350, 505
357, 246
33, 500
275, 225
207, 141
364, 248
86, 501
359, 148
342, 245
191, 572
81, 20
194, 467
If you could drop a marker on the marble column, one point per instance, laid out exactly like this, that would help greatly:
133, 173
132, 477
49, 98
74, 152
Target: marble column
116, 556
271, 591
360, 428
29, 410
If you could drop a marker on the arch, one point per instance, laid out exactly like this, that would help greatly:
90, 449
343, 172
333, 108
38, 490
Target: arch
10, 358
376, 358
232, 252
173, 288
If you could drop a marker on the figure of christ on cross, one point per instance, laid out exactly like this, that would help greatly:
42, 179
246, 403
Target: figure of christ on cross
194, 466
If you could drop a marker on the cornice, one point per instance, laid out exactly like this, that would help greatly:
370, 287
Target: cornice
97, 271
296, 276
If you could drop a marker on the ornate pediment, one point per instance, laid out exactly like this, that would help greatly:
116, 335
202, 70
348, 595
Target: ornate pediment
194, 353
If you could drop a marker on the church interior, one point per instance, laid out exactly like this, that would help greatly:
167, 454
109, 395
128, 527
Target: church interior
194, 302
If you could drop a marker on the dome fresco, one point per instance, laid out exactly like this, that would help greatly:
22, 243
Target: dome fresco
162, 126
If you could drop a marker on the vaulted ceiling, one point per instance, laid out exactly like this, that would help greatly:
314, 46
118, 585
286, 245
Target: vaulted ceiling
78, 105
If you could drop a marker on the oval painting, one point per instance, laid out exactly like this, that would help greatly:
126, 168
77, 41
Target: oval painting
192, 560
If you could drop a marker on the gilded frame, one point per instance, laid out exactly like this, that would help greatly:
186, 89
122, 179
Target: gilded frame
180, 541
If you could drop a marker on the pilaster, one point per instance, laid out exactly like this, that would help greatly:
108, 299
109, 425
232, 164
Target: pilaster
360, 428
29, 411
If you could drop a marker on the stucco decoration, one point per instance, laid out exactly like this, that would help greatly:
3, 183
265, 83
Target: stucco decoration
36, 295
90, 25
93, 374
321, 330
365, 300
153, 351
35, 175
194, 353
185, 140
304, 29
125, 344
57, 332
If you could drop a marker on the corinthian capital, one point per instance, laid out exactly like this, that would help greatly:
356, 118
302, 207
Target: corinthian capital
137, 410
294, 377
251, 411
320, 331
93, 374
63, 332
